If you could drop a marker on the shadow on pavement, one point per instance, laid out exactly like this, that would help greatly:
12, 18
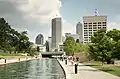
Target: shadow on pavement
88, 65
89, 70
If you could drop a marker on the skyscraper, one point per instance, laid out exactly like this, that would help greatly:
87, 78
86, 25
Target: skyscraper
56, 32
39, 39
79, 31
93, 24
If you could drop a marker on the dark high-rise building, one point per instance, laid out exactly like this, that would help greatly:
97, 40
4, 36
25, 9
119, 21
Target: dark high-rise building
79, 31
39, 39
56, 32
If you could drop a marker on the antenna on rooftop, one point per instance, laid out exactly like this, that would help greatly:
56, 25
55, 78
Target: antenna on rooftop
96, 12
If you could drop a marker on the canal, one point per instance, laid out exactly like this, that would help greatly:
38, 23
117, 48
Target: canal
45, 68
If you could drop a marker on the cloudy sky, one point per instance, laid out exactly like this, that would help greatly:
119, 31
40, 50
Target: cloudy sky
35, 15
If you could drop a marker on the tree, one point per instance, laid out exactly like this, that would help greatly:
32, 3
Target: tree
11, 40
114, 34
102, 46
70, 46
4, 34
47, 46
38, 49
77, 41
116, 51
77, 47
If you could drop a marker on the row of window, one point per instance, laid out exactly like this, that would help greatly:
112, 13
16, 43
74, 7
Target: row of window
96, 23
87, 35
87, 40
87, 32
90, 28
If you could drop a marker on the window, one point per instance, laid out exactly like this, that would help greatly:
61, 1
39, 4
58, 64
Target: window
104, 23
94, 27
85, 23
94, 23
85, 32
86, 35
90, 32
104, 27
90, 27
99, 25
94, 30
90, 23
99, 22
90, 35
85, 39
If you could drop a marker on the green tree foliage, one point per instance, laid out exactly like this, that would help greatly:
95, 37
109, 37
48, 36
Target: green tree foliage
11, 40
70, 46
47, 46
114, 34
103, 47
77, 41
38, 49
116, 54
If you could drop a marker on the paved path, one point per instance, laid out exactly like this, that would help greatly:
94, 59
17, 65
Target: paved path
85, 72
2, 61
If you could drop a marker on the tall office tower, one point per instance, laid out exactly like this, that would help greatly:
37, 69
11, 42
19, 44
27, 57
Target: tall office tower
39, 39
79, 31
93, 24
56, 32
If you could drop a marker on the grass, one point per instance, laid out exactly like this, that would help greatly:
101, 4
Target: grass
112, 69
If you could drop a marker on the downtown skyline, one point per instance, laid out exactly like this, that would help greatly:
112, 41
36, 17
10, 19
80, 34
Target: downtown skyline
35, 15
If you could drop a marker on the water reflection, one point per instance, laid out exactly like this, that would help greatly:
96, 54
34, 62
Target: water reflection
35, 69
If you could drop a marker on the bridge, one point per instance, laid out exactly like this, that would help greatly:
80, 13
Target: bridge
50, 54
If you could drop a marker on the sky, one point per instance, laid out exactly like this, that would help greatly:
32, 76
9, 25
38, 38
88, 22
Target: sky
34, 16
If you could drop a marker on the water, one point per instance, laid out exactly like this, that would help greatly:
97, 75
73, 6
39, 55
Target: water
34, 69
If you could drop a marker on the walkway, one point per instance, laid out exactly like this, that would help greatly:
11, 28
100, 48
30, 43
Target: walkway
85, 72
2, 61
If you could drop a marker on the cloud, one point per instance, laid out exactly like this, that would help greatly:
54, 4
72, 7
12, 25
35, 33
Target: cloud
41, 10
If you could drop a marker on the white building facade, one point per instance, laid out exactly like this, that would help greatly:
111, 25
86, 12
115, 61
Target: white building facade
91, 25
